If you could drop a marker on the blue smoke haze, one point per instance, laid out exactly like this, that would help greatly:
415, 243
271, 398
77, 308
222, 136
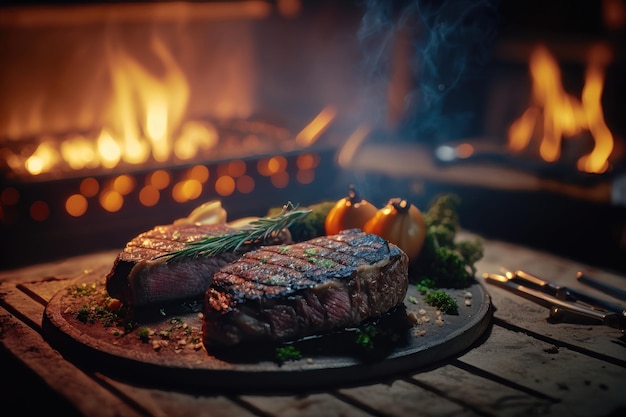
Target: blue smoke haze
451, 43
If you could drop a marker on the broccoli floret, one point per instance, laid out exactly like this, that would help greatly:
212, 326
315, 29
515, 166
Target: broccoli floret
443, 212
443, 301
447, 262
449, 269
471, 252
441, 235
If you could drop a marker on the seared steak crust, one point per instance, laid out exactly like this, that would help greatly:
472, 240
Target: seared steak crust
139, 280
285, 292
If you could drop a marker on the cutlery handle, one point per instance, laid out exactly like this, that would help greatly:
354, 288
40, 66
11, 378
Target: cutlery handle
605, 288
611, 319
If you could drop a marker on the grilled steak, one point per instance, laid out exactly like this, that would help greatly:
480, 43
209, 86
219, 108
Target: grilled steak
137, 279
285, 292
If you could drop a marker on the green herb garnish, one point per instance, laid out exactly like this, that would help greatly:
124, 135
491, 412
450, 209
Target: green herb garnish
258, 231
144, 334
443, 259
287, 353
441, 300
82, 290
425, 285
365, 336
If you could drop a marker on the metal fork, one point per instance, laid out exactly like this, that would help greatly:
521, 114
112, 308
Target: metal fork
562, 292
560, 308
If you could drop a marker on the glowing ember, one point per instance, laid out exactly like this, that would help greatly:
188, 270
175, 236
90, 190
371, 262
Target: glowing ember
144, 113
554, 114
313, 130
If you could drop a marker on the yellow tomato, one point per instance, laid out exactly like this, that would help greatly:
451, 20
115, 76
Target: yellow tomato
349, 213
402, 224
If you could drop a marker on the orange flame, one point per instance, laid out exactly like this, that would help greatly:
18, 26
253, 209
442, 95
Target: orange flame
554, 114
145, 119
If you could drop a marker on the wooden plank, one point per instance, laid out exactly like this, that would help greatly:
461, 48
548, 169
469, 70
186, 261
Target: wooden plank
69, 382
528, 315
157, 402
22, 305
65, 268
484, 395
163, 403
45, 289
312, 405
526, 367
500, 254
588, 385
401, 398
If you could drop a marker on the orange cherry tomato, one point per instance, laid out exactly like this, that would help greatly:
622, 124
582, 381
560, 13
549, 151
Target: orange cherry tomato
349, 213
402, 224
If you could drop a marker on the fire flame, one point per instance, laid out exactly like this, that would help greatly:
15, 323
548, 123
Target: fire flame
144, 117
554, 114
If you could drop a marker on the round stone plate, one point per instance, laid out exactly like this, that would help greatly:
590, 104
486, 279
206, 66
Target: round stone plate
163, 347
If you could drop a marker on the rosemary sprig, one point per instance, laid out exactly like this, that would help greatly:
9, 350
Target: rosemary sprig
258, 231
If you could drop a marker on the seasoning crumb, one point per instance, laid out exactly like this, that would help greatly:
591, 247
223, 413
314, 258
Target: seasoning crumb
467, 294
413, 317
468, 302
422, 311
419, 332
309, 360
552, 350
201, 315
440, 322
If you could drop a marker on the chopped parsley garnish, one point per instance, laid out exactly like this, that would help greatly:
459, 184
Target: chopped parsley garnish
365, 336
82, 290
441, 300
425, 285
287, 353
144, 334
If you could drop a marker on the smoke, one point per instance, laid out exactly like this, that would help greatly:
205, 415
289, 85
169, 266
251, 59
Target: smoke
425, 50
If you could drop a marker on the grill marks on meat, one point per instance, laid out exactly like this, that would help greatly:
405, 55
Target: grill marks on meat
139, 280
281, 293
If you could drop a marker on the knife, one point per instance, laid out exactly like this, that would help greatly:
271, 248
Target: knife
564, 293
558, 307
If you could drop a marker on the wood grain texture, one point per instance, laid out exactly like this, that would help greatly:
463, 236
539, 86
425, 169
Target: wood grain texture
523, 365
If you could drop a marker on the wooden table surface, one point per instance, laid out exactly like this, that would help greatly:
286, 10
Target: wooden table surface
523, 365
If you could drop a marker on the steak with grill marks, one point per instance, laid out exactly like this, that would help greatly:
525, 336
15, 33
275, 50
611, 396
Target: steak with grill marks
138, 280
286, 292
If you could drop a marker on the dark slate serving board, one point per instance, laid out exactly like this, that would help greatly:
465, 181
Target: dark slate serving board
172, 356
